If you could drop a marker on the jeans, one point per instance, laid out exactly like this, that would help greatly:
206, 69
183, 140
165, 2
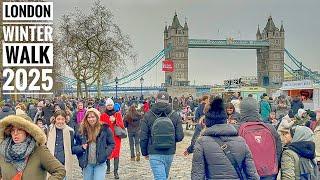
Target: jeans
160, 165
94, 171
134, 142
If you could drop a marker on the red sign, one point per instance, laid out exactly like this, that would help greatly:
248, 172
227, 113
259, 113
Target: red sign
167, 66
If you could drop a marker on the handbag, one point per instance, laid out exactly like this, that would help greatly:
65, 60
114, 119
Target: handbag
120, 132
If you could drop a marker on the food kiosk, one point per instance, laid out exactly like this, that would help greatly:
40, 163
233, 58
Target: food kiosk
256, 92
309, 92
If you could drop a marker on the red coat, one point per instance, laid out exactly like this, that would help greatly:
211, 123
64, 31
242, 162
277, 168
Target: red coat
146, 107
105, 118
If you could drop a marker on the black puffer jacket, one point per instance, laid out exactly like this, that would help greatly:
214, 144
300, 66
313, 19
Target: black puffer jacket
105, 145
160, 109
210, 162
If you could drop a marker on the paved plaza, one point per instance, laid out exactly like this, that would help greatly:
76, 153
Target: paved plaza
132, 170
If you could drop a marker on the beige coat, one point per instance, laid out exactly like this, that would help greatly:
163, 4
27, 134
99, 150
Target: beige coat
40, 161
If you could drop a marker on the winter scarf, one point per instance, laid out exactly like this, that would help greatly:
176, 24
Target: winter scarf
110, 112
80, 115
16, 154
304, 149
67, 147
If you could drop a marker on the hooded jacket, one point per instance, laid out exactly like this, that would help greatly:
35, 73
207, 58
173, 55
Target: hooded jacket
210, 162
160, 109
40, 160
249, 112
302, 145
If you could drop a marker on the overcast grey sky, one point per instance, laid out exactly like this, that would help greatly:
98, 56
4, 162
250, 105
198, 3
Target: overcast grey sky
144, 20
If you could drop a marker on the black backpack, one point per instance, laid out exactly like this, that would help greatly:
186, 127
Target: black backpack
163, 132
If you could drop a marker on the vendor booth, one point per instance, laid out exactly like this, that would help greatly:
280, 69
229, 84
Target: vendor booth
256, 92
305, 89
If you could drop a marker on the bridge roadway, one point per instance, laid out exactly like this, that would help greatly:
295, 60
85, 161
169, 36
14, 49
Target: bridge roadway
132, 89
132, 170
228, 44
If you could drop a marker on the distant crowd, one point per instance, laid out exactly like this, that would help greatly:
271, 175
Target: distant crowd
240, 138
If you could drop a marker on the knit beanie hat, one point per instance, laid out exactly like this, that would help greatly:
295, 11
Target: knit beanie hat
216, 113
109, 101
93, 110
249, 110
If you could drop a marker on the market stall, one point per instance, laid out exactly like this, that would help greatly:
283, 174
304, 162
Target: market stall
305, 89
255, 91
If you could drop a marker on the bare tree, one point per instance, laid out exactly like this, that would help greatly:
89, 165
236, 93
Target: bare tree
94, 47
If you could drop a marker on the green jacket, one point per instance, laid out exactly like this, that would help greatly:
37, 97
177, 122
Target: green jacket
290, 169
39, 163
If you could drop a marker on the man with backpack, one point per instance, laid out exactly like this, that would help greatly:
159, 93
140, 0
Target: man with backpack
161, 129
262, 138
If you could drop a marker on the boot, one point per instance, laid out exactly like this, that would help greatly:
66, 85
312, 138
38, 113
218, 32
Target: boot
116, 167
138, 157
133, 159
108, 166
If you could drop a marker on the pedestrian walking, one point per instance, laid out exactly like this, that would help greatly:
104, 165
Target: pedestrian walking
61, 141
298, 158
161, 129
219, 152
132, 122
113, 119
94, 144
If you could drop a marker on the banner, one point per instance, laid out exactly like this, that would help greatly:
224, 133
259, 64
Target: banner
167, 66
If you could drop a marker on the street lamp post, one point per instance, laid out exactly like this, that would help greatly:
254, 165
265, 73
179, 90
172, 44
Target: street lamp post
117, 81
141, 82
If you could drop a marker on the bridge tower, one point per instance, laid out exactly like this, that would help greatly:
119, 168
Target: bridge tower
178, 37
270, 60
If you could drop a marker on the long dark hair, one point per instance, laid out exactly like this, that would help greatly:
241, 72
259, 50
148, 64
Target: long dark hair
131, 114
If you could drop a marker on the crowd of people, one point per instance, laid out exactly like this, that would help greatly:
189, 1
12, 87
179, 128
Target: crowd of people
238, 139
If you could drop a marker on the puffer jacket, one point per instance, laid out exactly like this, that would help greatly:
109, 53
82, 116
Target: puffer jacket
105, 145
210, 162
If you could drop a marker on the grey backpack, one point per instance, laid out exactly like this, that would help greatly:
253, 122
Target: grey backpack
163, 132
308, 169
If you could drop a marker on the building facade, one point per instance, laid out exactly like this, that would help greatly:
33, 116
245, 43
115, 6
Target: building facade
270, 60
177, 36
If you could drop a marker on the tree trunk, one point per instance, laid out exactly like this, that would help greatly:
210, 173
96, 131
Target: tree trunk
86, 88
99, 86
78, 88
